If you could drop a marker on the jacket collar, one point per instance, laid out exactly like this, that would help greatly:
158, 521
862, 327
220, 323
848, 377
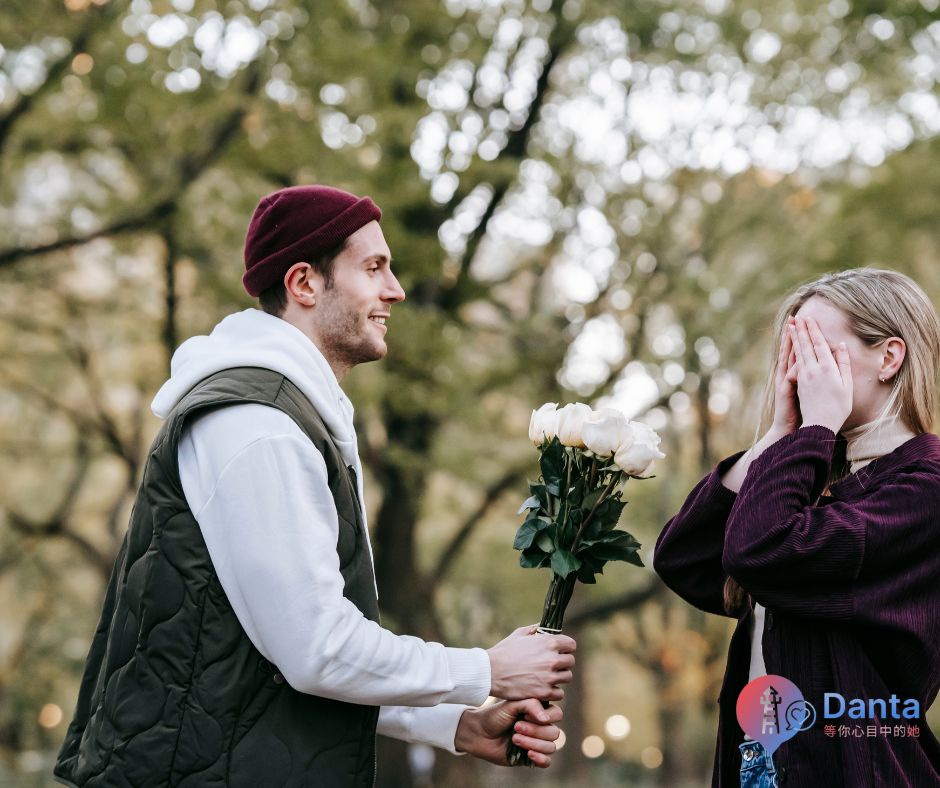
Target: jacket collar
923, 448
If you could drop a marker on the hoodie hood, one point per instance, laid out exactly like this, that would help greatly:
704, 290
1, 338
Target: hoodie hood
253, 338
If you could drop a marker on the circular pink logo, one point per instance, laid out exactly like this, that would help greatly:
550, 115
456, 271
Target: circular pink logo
772, 710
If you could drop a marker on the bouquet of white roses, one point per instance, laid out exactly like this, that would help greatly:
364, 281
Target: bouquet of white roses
572, 512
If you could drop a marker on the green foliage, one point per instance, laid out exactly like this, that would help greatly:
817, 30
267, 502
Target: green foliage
572, 516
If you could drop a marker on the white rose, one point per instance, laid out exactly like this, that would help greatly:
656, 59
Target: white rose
543, 426
637, 457
605, 431
570, 423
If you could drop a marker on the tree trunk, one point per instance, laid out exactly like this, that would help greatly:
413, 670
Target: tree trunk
405, 596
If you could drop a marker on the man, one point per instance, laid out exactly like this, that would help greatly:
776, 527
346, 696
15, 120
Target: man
239, 642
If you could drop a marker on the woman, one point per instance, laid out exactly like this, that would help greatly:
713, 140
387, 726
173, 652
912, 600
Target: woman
823, 539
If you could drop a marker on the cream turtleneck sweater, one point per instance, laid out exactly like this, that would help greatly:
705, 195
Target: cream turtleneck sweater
864, 443
885, 436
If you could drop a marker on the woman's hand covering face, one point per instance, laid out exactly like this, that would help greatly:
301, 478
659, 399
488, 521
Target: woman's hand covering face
824, 380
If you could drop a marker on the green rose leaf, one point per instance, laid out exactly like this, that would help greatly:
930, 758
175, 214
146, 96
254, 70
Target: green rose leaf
532, 502
591, 498
616, 509
564, 563
575, 495
552, 464
538, 490
619, 537
525, 535
585, 575
596, 565
612, 551
592, 533
544, 542
634, 558
608, 513
566, 534
532, 558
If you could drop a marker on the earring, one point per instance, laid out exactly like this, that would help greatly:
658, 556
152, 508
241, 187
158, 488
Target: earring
881, 378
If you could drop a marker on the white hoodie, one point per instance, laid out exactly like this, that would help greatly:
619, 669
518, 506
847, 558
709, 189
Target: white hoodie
258, 489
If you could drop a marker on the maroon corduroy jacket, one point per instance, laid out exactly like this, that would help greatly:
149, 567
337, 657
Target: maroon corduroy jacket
851, 584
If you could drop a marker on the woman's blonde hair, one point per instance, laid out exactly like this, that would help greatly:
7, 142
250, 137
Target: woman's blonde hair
878, 304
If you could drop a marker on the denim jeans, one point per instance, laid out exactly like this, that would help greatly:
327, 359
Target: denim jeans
757, 766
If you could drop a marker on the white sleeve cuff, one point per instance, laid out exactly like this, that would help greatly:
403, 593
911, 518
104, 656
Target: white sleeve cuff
470, 671
432, 725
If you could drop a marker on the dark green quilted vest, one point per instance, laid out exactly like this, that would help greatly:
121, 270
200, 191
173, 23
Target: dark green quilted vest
174, 693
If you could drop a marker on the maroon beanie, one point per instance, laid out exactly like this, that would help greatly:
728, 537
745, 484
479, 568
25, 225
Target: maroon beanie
296, 224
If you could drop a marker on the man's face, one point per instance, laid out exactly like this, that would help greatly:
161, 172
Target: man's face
349, 318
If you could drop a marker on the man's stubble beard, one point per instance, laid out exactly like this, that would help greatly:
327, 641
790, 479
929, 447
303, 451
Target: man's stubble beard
344, 340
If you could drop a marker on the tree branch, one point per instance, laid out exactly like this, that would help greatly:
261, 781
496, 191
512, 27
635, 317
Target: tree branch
95, 18
617, 604
450, 553
51, 529
56, 524
188, 168
560, 38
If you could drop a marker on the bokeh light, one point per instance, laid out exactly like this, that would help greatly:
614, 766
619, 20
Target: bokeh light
593, 747
50, 715
617, 727
652, 757
82, 63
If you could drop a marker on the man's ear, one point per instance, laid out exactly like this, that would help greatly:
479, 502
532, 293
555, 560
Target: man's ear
302, 283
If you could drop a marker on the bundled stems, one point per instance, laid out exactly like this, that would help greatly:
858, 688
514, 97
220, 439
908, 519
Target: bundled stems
556, 600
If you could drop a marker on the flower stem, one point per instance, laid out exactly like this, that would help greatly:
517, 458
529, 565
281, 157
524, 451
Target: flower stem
614, 479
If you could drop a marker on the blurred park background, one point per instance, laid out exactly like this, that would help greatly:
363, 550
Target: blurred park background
587, 200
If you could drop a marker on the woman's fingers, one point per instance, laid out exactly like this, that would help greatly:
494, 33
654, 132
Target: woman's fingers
786, 348
797, 347
792, 369
845, 366
804, 342
820, 345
